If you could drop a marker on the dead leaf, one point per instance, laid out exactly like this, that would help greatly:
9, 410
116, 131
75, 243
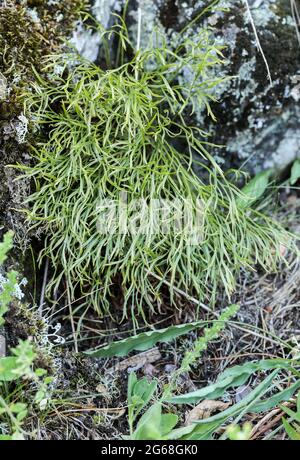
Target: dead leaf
102, 390
138, 361
150, 370
204, 410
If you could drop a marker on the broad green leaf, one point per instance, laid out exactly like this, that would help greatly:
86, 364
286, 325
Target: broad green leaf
230, 378
142, 394
178, 433
202, 432
144, 389
21, 415
132, 379
276, 399
18, 407
143, 341
254, 189
194, 432
167, 423
139, 394
148, 427
7, 366
295, 172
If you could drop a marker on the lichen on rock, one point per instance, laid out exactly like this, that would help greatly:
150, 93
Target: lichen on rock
257, 122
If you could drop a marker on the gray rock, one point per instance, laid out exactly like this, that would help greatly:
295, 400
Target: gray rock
257, 122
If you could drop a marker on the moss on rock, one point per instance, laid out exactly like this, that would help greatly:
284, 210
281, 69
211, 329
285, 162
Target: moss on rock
28, 31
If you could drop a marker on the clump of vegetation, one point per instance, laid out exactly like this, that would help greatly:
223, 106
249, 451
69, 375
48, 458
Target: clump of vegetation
17, 372
154, 424
150, 416
123, 130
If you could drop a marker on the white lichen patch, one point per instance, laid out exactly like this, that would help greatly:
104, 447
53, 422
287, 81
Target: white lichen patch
3, 87
102, 10
17, 128
149, 22
263, 11
86, 42
268, 143
33, 14
286, 152
21, 128
246, 74
18, 293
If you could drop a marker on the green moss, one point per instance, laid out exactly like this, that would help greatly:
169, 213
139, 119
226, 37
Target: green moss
23, 322
26, 37
28, 30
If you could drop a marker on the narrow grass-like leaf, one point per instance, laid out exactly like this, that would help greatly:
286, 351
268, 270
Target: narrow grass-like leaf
272, 401
244, 404
231, 378
294, 415
194, 432
293, 433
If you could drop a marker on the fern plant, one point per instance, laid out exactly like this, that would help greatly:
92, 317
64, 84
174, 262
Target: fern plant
123, 131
